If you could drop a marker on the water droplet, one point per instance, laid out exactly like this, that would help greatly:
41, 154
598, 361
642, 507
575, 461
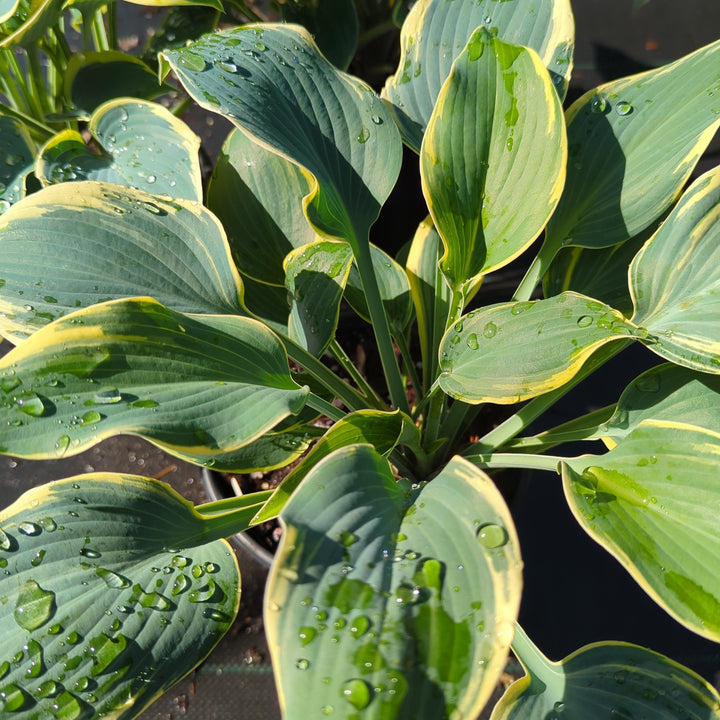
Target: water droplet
357, 693
490, 330
197, 571
12, 698
584, 321
34, 606
302, 664
180, 562
559, 707
492, 536
29, 528
47, 689
61, 445
204, 594
520, 307
35, 653
360, 625
598, 104
327, 709
363, 136
306, 635
107, 397
216, 615
348, 538
377, 120
9, 382
623, 108
112, 579
182, 582
211, 567
29, 403
5, 541
509, 143
192, 61
90, 553
472, 341
38, 558
91, 416
104, 650
46, 523
227, 66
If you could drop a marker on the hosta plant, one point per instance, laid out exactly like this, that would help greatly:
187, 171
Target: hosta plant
206, 328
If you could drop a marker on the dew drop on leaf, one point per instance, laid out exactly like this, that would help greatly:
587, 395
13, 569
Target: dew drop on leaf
302, 664
307, 635
492, 536
623, 108
107, 397
29, 528
490, 330
12, 698
472, 341
34, 606
356, 692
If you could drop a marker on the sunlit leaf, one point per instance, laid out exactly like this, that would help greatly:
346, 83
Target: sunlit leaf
402, 598
217, 4
272, 81
514, 351
75, 244
608, 680
257, 195
197, 386
667, 392
29, 22
435, 31
493, 157
113, 589
140, 144
633, 143
675, 278
652, 503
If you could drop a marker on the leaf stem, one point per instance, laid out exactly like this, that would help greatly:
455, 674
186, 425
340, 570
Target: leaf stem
402, 343
539, 266
381, 328
537, 666
516, 423
324, 407
347, 364
513, 460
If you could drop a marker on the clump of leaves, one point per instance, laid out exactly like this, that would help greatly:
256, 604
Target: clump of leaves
394, 594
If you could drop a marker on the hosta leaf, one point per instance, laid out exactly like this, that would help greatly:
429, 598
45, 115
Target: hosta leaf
198, 386
495, 144
74, 244
180, 24
667, 392
382, 430
675, 280
608, 680
316, 275
601, 274
394, 290
17, 157
114, 588
257, 195
333, 24
652, 502
391, 601
217, 4
514, 351
7, 9
93, 78
141, 145
430, 294
436, 31
268, 303
29, 22
271, 81
633, 144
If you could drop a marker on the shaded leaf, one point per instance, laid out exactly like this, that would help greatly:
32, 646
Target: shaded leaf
29, 22
377, 585
272, 81
430, 293
436, 31
607, 680
141, 145
93, 78
316, 275
257, 195
197, 386
394, 290
652, 502
98, 628
633, 143
494, 145
514, 351
382, 430
17, 158
675, 279
332, 23
75, 244
179, 24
